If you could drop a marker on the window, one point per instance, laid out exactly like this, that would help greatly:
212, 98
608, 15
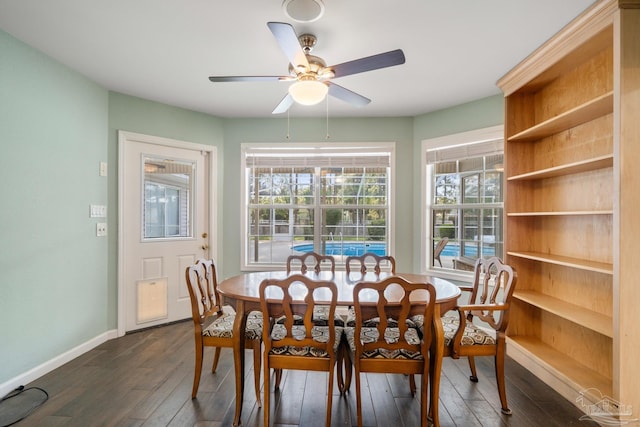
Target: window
463, 183
332, 199
167, 198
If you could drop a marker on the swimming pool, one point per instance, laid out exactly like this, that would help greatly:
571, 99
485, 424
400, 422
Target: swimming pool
345, 248
453, 250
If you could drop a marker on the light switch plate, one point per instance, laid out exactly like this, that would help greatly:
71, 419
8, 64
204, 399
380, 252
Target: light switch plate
97, 211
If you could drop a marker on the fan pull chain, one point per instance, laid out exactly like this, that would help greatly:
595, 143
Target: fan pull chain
327, 137
288, 137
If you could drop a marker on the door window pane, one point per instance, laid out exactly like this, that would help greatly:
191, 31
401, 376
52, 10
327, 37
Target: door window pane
168, 189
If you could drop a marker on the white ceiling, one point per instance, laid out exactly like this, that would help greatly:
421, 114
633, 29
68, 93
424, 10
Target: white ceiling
164, 50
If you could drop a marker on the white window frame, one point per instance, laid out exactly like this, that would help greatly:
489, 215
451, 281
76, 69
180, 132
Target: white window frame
346, 147
459, 139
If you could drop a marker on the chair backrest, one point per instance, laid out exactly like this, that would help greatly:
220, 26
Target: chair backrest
297, 298
202, 283
398, 300
493, 283
313, 260
362, 262
439, 248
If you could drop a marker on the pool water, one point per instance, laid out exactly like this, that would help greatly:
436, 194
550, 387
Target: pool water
345, 248
453, 250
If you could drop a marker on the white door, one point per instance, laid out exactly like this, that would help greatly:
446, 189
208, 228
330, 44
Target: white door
164, 226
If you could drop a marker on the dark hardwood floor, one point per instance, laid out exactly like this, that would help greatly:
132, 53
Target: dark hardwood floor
145, 379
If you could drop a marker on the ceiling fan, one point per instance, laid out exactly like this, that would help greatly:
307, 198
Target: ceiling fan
310, 74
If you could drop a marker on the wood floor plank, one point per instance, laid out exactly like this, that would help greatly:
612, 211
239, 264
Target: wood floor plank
145, 379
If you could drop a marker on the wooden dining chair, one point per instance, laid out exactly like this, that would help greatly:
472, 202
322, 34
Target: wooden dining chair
384, 338
370, 259
478, 327
314, 262
310, 260
213, 326
298, 345
317, 263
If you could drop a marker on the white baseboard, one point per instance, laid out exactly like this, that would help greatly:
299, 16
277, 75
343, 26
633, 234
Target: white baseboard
48, 366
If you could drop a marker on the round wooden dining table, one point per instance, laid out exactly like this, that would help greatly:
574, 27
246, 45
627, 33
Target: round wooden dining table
242, 293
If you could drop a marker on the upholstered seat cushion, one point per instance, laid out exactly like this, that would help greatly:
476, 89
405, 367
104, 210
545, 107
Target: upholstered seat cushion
473, 335
222, 326
391, 335
320, 316
392, 323
318, 333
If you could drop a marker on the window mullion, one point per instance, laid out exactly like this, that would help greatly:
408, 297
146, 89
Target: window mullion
317, 211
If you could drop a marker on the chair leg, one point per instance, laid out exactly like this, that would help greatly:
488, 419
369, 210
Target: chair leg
341, 367
348, 370
424, 399
216, 359
412, 384
198, 368
472, 366
278, 378
358, 398
257, 368
267, 390
499, 359
329, 396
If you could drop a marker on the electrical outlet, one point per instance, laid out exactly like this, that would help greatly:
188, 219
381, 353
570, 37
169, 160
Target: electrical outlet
101, 229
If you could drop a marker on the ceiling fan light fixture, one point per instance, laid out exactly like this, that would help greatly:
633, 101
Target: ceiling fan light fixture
303, 10
308, 92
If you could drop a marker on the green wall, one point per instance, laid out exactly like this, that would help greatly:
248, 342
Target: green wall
58, 281
53, 268
238, 131
482, 113
137, 115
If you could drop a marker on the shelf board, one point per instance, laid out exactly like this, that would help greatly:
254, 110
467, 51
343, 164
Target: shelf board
573, 374
588, 318
588, 111
595, 163
582, 264
561, 213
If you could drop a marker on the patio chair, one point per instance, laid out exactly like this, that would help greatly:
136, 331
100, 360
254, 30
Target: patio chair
439, 248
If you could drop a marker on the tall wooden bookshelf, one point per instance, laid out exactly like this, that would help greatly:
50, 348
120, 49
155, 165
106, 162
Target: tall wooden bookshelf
572, 206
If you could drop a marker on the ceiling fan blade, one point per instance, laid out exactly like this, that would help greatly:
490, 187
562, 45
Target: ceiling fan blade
284, 105
347, 95
288, 41
250, 78
369, 63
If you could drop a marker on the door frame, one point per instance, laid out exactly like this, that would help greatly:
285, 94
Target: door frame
123, 138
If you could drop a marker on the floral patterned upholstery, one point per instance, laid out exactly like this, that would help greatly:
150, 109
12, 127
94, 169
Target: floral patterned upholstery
370, 334
318, 333
473, 335
320, 316
223, 326
392, 323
